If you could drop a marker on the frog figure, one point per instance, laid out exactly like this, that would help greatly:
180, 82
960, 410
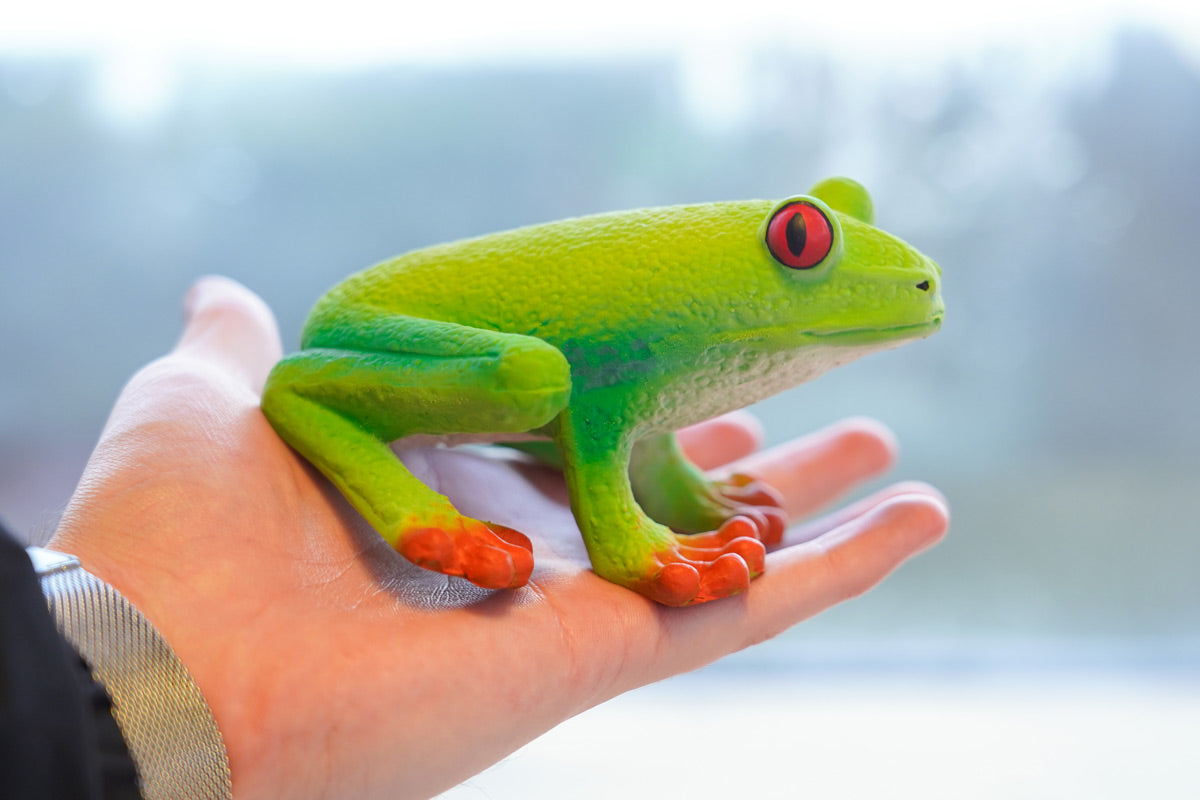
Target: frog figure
600, 336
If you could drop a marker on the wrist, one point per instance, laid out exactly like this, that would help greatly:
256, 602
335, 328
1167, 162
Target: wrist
164, 719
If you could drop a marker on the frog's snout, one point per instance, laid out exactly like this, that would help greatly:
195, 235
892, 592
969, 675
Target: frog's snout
928, 285
932, 273
928, 277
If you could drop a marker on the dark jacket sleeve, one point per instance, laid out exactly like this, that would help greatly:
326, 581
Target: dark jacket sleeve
58, 738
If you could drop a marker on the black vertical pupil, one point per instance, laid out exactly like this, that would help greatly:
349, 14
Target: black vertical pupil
796, 233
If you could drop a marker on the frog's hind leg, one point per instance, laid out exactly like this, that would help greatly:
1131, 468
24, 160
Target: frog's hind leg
352, 391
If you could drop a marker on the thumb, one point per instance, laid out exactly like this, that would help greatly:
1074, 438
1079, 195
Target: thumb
231, 328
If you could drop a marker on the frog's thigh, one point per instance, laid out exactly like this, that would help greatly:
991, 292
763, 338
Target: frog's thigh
399, 375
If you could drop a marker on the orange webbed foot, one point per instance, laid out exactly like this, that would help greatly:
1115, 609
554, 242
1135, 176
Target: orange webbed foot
488, 555
707, 566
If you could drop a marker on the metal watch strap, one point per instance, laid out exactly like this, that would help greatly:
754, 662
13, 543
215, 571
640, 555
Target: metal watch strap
166, 723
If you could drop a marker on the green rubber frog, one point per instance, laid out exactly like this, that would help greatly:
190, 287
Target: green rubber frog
601, 335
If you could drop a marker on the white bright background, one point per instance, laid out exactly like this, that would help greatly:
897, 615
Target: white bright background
757, 725
355, 32
142, 43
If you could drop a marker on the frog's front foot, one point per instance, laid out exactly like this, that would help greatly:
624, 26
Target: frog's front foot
488, 555
697, 568
744, 495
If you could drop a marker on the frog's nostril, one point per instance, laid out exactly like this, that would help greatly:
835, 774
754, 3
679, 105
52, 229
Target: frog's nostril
924, 286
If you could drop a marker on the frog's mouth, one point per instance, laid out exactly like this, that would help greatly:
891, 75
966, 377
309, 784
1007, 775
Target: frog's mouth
854, 336
861, 340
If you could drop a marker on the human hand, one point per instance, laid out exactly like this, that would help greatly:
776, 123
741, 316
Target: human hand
336, 668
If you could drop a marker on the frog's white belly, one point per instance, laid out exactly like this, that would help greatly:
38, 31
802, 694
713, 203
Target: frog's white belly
736, 381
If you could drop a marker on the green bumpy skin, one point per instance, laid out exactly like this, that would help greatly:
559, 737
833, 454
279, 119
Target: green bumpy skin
601, 335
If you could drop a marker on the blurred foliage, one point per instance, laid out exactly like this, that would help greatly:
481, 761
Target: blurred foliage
1057, 408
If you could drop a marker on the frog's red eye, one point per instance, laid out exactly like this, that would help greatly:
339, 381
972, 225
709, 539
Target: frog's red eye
799, 235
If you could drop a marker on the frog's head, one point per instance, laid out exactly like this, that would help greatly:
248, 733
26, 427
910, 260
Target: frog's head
860, 284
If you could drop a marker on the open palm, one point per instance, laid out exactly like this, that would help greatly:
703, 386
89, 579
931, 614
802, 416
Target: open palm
336, 668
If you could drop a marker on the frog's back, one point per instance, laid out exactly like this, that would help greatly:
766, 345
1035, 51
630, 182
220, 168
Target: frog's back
576, 277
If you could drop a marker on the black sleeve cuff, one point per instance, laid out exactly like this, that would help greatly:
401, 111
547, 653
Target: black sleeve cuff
58, 738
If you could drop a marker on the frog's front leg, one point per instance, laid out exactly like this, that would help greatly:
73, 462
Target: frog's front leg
625, 545
674, 492
374, 377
